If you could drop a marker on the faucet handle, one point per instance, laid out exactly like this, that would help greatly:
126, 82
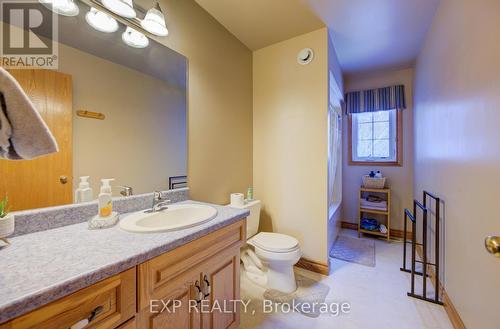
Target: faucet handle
126, 190
158, 196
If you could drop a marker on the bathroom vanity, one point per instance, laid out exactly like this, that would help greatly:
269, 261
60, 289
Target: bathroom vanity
159, 280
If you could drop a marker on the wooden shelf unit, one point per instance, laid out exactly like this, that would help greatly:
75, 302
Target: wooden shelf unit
386, 214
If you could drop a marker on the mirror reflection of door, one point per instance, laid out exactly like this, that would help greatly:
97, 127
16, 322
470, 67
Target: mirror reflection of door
45, 181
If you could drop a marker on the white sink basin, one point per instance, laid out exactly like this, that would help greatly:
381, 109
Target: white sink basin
175, 217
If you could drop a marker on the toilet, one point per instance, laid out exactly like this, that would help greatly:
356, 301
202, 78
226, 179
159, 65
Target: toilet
268, 258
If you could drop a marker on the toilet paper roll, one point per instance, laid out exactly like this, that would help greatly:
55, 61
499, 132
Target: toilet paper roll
237, 199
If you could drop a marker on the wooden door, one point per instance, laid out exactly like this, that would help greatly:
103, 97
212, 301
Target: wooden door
176, 310
221, 279
40, 182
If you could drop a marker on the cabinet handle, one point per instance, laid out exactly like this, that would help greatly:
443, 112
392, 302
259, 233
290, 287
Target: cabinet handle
199, 293
207, 286
83, 323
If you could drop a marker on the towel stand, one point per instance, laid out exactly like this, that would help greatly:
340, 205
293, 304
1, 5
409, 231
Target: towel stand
424, 247
177, 182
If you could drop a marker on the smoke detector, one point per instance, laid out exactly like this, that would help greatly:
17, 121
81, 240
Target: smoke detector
305, 56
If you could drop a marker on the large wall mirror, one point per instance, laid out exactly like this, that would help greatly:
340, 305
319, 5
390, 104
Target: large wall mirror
116, 112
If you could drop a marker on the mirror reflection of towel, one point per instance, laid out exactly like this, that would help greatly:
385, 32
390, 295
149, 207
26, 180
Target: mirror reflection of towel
5, 129
23, 133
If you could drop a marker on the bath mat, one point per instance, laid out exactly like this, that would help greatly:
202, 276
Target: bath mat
354, 250
309, 292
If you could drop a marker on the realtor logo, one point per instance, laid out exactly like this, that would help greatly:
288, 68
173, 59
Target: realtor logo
29, 35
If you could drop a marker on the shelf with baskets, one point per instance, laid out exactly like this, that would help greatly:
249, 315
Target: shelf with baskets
385, 195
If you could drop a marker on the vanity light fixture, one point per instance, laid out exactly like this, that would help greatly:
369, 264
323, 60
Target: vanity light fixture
61, 7
134, 38
101, 21
154, 21
124, 8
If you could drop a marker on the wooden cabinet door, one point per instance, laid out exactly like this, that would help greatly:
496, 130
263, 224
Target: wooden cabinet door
176, 275
221, 282
130, 324
45, 181
177, 310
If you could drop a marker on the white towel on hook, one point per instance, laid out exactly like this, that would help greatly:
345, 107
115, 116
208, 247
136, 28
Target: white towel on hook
23, 133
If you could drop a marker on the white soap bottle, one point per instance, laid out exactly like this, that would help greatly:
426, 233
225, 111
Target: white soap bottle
84, 192
105, 200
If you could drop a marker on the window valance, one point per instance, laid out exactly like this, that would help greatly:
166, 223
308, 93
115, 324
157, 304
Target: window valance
372, 100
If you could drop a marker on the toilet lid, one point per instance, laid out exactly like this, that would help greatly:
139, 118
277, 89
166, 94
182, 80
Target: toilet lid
275, 242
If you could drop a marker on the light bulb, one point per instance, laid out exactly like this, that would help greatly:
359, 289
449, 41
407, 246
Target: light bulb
61, 7
134, 38
154, 22
101, 21
124, 8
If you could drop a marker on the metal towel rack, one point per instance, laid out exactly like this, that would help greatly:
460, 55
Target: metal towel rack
176, 182
424, 245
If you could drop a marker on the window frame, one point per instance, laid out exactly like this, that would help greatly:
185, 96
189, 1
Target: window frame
399, 144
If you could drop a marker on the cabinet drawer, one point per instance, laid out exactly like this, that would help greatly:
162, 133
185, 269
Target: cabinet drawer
158, 277
114, 296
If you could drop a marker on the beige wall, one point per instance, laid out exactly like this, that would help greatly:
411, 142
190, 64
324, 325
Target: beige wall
219, 101
143, 139
290, 140
400, 179
457, 154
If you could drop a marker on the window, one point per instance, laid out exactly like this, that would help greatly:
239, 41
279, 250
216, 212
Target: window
375, 138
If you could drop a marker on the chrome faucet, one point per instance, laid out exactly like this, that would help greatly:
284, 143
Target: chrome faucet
126, 190
159, 203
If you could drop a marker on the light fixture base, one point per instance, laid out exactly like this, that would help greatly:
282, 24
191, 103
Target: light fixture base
305, 56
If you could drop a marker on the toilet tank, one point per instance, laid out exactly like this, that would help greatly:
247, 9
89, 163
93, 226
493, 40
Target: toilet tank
254, 217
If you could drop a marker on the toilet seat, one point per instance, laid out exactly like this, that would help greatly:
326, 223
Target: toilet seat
274, 242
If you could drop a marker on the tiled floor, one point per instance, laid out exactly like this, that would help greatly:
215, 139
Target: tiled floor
377, 297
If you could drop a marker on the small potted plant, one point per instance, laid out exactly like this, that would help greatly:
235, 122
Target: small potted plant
6, 219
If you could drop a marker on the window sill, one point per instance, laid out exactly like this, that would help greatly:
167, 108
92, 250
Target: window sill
376, 163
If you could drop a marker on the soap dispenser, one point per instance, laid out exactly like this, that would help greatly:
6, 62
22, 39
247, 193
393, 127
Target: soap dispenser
84, 192
105, 199
106, 216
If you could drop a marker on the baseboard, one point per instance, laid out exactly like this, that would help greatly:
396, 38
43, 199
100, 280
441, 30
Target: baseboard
395, 234
313, 266
450, 309
399, 234
348, 225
